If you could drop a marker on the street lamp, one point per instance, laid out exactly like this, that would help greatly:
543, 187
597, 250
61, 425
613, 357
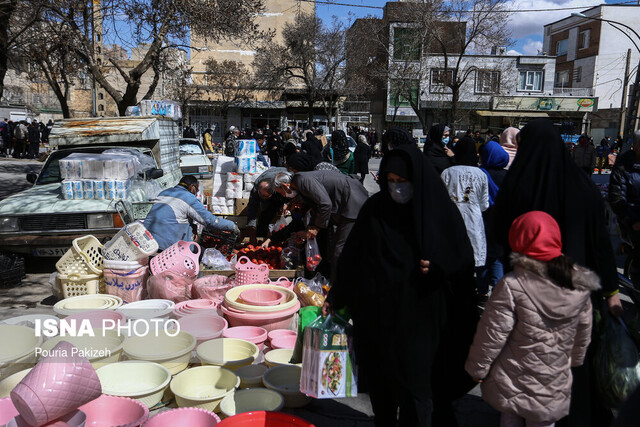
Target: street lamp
636, 86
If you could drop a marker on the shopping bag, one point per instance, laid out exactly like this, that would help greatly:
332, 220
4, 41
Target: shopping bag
327, 365
313, 254
616, 361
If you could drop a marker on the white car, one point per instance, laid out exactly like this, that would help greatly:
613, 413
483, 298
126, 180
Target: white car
193, 160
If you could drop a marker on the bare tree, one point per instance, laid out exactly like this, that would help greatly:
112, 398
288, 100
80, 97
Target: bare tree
330, 66
181, 87
156, 23
228, 83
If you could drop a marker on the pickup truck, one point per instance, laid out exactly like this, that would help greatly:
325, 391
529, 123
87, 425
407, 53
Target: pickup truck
39, 222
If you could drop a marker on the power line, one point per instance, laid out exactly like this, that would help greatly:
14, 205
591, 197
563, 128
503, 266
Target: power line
331, 3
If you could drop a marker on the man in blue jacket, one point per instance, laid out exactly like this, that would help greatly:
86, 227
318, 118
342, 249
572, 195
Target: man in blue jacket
170, 219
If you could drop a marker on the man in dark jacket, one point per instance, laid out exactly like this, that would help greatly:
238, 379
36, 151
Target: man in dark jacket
34, 139
624, 196
362, 154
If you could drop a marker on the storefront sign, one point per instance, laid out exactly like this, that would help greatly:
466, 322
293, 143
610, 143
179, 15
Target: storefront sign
534, 103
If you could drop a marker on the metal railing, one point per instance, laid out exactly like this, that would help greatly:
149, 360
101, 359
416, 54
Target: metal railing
573, 91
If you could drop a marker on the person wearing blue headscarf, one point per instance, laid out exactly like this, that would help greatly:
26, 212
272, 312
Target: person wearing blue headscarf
493, 159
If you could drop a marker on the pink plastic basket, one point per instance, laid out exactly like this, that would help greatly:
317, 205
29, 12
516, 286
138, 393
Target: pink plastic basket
180, 258
128, 285
248, 273
284, 282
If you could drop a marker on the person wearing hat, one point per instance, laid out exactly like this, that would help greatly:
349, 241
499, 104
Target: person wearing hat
535, 327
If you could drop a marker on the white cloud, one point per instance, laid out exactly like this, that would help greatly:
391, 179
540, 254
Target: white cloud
531, 47
526, 24
513, 52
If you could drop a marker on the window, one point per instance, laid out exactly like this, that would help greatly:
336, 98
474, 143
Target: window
100, 95
561, 47
583, 39
487, 81
530, 81
403, 92
440, 79
577, 74
97, 37
406, 44
562, 79
100, 107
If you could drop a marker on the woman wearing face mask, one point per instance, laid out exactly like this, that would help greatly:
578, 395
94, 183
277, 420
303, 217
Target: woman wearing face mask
335, 198
436, 147
406, 276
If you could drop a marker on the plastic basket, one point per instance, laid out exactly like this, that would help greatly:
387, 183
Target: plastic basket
224, 241
128, 285
83, 258
132, 243
11, 272
284, 282
180, 258
73, 285
248, 273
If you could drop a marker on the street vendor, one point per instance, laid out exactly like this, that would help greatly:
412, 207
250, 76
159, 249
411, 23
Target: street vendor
171, 217
335, 198
263, 204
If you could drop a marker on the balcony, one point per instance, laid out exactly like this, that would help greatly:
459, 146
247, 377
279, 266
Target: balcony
586, 92
355, 107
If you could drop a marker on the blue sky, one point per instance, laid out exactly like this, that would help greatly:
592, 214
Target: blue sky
526, 28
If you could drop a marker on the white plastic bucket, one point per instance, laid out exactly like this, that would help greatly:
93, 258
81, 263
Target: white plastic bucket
132, 243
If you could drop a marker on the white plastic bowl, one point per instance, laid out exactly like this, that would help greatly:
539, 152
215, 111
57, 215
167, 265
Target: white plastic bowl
17, 349
81, 303
8, 384
233, 294
251, 375
173, 352
143, 381
28, 319
254, 399
278, 357
148, 309
286, 381
204, 387
230, 353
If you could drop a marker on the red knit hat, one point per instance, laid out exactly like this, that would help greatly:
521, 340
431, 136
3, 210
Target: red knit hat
537, 235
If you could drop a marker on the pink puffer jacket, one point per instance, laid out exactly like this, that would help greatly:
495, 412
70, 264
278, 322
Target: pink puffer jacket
530, 334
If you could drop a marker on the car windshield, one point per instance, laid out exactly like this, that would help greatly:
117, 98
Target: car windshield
50, 173
190, 148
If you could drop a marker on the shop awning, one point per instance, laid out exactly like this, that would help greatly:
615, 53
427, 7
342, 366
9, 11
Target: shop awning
529, 114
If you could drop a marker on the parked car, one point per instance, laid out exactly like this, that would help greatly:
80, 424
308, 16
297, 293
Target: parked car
193, 160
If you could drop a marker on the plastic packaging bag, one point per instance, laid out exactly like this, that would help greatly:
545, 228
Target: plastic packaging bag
278, 225
313, 254
616, 362
306, 295
215, 259
212, 287
169, 285
327, 368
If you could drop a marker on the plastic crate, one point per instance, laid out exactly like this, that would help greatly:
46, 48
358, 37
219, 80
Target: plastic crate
74, 285
224, 241
11, 272
83, 258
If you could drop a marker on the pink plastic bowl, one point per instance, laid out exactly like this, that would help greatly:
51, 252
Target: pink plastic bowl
107, 411
252, 334
261, 296
204, 327
192, 417
97, 317
279, 333
7, 410
76, 418
269, 321
284, 342
200, 304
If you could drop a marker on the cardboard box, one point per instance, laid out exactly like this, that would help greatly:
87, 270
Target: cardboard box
241, 206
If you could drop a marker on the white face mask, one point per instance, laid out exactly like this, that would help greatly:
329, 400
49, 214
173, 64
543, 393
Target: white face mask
401, 192
290, 194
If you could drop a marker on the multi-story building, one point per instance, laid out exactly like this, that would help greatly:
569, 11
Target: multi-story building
497, 90
591, 55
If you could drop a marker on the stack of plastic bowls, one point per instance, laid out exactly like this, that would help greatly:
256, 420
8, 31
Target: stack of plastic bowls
195, 306
266, 306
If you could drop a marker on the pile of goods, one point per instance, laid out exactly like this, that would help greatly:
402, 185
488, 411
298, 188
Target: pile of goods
271, 256
97, 176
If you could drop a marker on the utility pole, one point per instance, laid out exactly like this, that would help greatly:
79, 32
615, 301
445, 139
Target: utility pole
632, 112
625, 86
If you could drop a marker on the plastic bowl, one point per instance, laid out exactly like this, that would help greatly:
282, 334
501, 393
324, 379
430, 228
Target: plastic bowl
262, 297
7, 411
107, 345
255, 399
251, 375
97, 318
204, 387
76, 418
284, 342
173, 352
8, 384
192, 417
200, 304
142, 381
28, 319
269, 321
20, 354
278, 333
264, 419
233, 294
252, 334
107, 411
148, 309
80, 303
203, 326
278, 357
286, 381
230, 353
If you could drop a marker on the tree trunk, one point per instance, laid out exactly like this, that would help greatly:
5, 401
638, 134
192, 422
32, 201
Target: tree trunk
310, 110
130, 97
455, 96
6, 10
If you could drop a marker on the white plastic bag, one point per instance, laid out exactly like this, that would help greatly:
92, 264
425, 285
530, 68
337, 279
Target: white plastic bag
215, 259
